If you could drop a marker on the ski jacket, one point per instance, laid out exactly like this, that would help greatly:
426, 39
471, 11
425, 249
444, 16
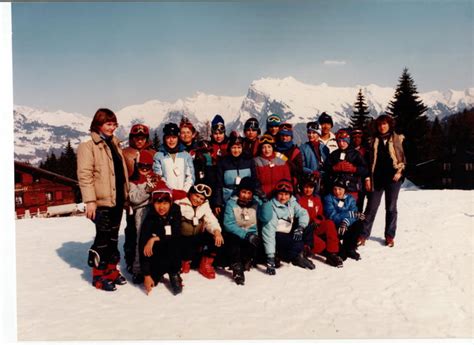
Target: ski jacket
271, 170
339, 210
219, 150
227, 171
195, 220
96, 173
240, 220
314, 206
176, 169
353, 157
310, 159
295, 162
330, 143
285, 217
250, 148
154, 225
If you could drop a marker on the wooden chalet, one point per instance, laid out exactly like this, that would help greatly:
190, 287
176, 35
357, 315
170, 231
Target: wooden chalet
37, 189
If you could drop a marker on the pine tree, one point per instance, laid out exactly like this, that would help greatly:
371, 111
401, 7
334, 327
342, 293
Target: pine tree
156, 141
360, 120
68, 163
408, 111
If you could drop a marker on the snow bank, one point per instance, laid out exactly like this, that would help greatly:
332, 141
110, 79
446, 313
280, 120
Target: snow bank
421, 288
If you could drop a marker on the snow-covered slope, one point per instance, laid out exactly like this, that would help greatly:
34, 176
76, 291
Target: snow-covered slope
37, 131
421, 288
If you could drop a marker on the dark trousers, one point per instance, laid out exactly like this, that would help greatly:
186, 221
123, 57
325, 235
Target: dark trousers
130, 240
373, 201
107, 224
193, 246
287, 248
349, 239
166, 258
240, 251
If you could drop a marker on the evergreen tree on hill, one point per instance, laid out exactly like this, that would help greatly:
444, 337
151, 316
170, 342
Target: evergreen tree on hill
360, 118
408, 111
156, 141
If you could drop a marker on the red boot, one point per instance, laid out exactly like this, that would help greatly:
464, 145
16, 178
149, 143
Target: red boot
112, 273
206, 268
100, 281
185, 266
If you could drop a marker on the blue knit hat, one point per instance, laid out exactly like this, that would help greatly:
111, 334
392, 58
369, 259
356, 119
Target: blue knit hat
218, 124
286, 129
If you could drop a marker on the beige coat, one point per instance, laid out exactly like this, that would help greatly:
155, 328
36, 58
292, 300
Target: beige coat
95, 171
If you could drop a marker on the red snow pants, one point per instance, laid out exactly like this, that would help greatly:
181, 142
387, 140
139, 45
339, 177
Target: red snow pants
325, 237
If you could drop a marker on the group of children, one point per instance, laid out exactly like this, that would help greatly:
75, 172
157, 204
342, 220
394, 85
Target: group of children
240, 201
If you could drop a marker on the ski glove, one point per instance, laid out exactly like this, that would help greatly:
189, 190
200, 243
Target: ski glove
342, 228
358, 215
253, 239
270, 266
298, 234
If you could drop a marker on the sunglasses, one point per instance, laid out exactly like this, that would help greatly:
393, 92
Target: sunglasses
139, 129
201, 188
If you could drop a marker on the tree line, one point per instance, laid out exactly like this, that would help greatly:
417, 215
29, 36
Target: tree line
426, 140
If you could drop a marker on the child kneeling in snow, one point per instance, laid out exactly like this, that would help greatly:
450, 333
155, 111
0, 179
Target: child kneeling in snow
325, 237
200, 231
242, 212
159, 242
341, 208
287, 231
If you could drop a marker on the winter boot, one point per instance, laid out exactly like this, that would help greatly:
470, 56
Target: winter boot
352, 253
206, 268
238, 274
176, 283
137, 278
307, 252
100, 282
247, 264
303, 262
361, 241
389, 242
185, 266
113, 274
333, 259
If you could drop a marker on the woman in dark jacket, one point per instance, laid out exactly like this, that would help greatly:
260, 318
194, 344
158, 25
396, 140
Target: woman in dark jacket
387, 165
159, 242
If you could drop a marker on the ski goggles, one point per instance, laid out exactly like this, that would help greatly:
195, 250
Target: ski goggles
312, 127
273, 121
204, 189
266, 139
139, 129
342, 135
356, 133
284, 187
161, 195
286, 127
144, 167
251, 125
218, 128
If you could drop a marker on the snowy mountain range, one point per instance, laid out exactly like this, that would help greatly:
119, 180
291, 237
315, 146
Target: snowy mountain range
38, 132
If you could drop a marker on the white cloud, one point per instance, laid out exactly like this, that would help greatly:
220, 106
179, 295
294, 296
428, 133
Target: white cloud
334, 62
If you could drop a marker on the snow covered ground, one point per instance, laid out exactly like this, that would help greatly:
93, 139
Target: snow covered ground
421, 288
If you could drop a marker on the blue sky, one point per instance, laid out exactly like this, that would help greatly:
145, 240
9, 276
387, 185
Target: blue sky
80, 56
